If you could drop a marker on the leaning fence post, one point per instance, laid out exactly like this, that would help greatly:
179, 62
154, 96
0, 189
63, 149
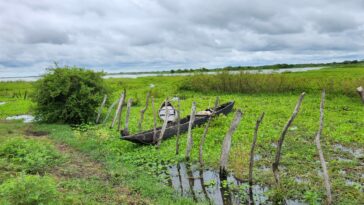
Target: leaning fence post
251, 163
154, 121
178, 124
281, 139
120, 104
189, 135
164, 126
109, 111
126, 127
227, 143
319, 149
121, 109
100, 109
143, 111
202, 142
360, 91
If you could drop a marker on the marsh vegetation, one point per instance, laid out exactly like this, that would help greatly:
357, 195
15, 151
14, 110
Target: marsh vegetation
134, 170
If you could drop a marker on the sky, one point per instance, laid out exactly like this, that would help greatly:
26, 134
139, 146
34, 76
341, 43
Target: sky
150, 35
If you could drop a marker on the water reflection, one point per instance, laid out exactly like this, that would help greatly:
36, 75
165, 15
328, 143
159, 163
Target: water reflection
208, 185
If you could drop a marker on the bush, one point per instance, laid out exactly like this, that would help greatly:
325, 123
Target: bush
29, 189
29, 155
69, 95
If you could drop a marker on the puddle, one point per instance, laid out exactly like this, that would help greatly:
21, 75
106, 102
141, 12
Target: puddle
25, 118
300, 180
341, 159
257, 157
265, 168
2, 103
207, 185
357, 153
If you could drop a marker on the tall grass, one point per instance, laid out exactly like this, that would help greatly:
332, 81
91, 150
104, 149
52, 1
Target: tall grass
243, 82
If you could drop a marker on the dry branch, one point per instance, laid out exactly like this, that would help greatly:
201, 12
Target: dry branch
321, 155
203, 138
100, 109
281, 138
126, 126
227, 142
178, 124
143, 111
164, 126
189, 135
251, 164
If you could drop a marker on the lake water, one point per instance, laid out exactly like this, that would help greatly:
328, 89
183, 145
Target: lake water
136, 75
25, 118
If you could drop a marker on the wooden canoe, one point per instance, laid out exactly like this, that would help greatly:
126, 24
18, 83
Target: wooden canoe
171, 130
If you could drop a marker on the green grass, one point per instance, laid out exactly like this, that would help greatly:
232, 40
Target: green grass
336, 80
141, 167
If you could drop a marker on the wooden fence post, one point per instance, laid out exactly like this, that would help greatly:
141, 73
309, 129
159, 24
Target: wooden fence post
154, 121
143, 111
360, 91
202, 142
120, 104
100, 109
126, 127
319, 149
178, 125
109, 111
189, 135
281, 138
121, 109
164, 126
227, 143
251, 163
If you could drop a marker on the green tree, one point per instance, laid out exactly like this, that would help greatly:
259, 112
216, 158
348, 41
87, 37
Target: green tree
69, 95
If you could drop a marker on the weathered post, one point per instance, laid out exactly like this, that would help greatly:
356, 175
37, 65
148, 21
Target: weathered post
178, 124
121, 109
202, 142
319, 149
227, 143
154, 121
100, 109
126, 126
117, 109
251, 163
360, 91
109, 111
189, 134
164, 126
143, 111
281, 138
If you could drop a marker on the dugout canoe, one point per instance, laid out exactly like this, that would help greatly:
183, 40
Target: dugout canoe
171, 130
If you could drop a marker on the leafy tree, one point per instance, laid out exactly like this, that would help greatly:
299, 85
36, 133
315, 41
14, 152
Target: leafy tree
69, 95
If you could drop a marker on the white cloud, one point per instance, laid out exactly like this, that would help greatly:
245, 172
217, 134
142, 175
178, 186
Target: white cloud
133, 35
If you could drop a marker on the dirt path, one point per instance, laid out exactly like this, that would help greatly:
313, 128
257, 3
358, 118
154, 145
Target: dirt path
79, 169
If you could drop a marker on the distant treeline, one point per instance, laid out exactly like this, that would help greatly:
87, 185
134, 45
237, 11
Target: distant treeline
275, 66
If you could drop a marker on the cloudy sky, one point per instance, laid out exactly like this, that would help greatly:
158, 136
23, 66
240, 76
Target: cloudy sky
145, 35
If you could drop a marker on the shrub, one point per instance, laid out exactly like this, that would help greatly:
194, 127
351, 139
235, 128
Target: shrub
69, 95
29, 155
29, 189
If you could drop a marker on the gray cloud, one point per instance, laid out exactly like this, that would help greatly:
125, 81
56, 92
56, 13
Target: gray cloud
135, 35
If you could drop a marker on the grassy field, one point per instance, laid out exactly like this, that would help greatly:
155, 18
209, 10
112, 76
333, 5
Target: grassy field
137, 169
